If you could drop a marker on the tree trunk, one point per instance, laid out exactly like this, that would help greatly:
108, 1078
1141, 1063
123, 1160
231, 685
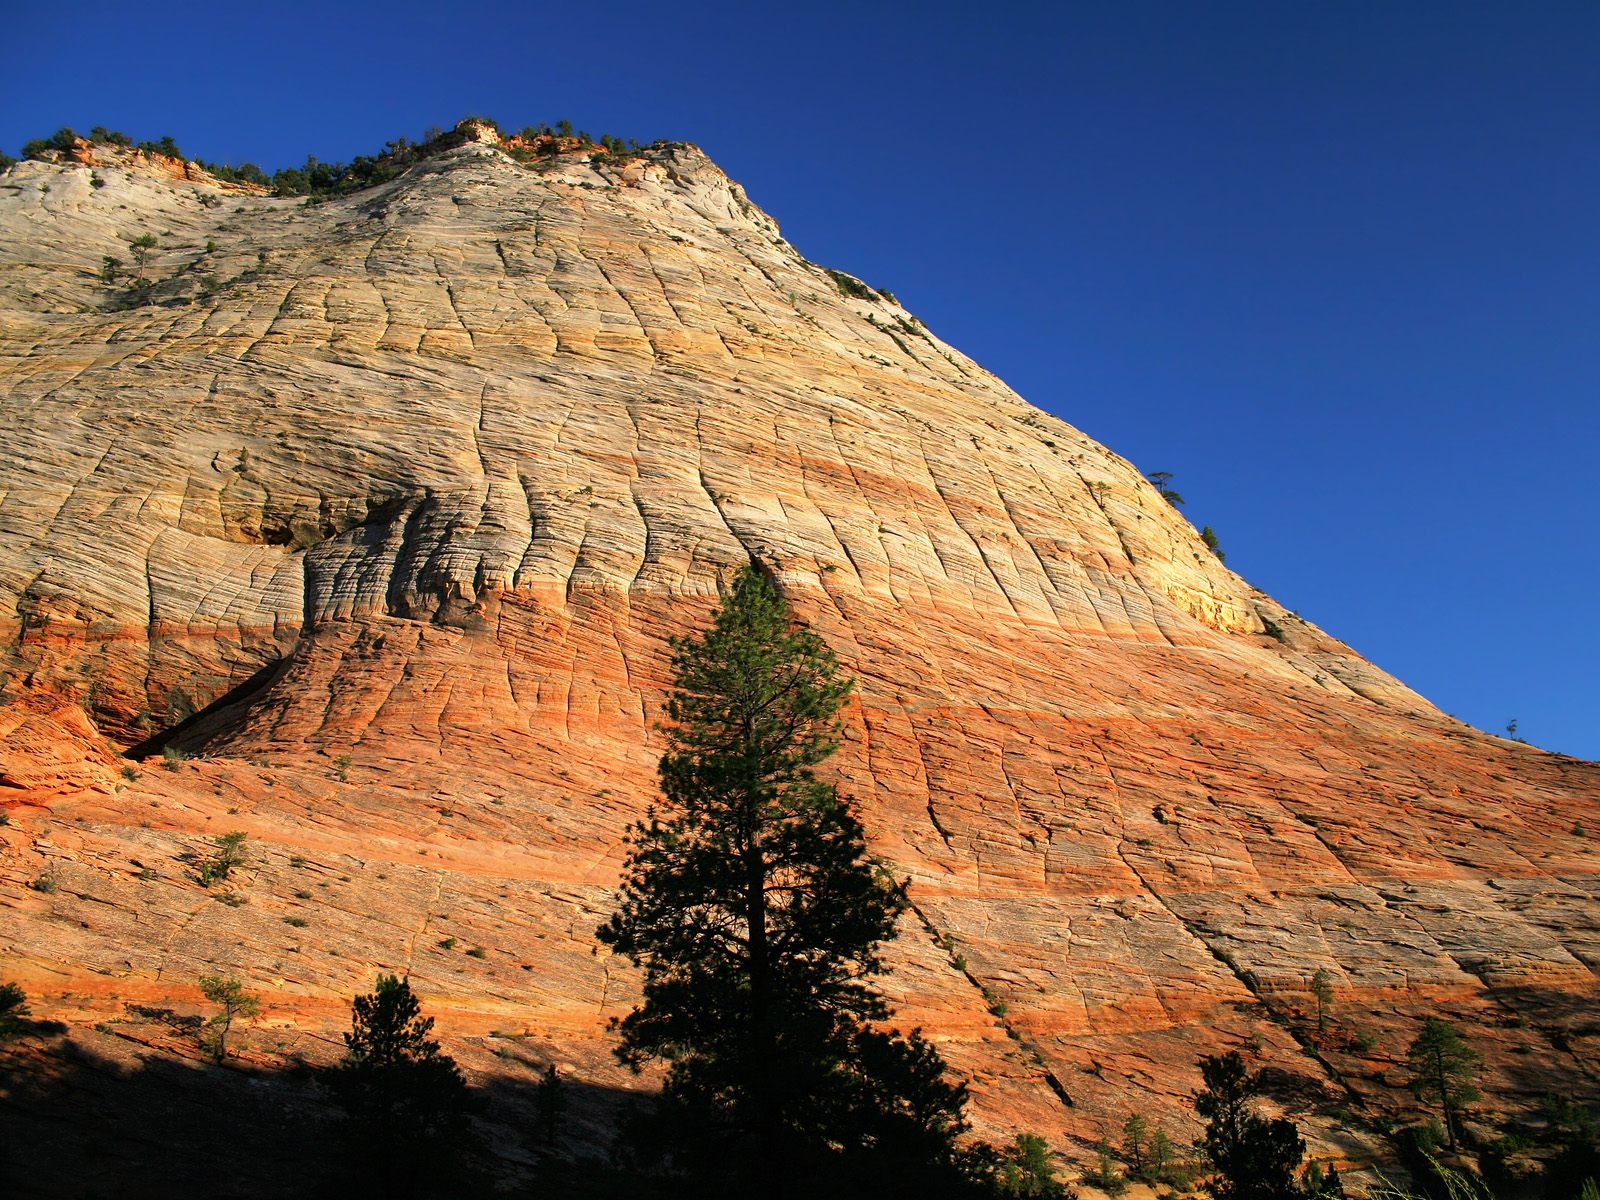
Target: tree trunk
1444, 1099
762, 1099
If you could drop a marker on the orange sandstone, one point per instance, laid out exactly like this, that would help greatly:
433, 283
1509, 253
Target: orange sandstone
388, 534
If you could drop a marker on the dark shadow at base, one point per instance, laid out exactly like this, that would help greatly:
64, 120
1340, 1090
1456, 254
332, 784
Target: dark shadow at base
75, 1125
132, 1124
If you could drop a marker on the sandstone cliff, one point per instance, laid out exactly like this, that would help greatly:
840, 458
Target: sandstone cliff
382, 514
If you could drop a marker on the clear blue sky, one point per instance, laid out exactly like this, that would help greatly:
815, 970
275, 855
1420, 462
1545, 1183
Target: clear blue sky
1334, 265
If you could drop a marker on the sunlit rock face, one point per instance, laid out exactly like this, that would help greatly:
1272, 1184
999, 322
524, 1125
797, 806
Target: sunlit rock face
404, 494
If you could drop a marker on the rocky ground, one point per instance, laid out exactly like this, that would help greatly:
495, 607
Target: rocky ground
377, 517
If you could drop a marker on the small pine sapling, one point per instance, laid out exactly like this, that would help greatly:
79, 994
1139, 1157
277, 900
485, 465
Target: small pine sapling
236, 1003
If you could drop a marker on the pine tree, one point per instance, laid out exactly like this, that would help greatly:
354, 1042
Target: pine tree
1317, 1183
236, 1002
1135, 1142
1159, 1167
406, 1101
1442, 1067
1026, 1170
1255, 1157
551, 1102
1163, 485
141, 247
14, 1011
757, 915
1322, 991
232, 850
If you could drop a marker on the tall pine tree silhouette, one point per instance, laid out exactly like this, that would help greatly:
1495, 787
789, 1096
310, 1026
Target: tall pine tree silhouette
757, 914
405, 1100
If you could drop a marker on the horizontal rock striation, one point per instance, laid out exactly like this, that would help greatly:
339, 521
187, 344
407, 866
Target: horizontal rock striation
384, 510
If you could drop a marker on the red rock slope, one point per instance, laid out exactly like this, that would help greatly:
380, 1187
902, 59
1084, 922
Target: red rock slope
404, 492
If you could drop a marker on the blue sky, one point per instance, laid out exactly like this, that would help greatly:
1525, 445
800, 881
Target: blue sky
1334, 265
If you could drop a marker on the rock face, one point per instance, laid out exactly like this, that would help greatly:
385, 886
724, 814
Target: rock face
383, 515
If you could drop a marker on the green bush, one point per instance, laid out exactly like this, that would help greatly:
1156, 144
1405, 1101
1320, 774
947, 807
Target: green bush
849, 285
321, 180
231, 851
13, 1011
1424, 1138
62, 139
1105, 1175
165, 146
316, 179
1025, 1170
246, 172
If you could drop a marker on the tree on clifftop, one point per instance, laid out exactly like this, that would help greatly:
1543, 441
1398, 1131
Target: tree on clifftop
757, 915
1163, 484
